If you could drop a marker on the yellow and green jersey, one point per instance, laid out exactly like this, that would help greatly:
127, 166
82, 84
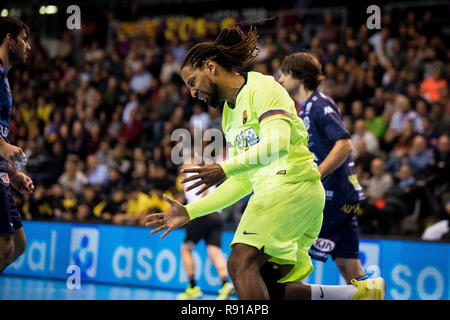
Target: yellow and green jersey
260, 100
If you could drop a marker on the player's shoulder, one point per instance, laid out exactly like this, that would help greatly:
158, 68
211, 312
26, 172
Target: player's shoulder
262, 89
256, 80
322, 104
322, 99
262, 82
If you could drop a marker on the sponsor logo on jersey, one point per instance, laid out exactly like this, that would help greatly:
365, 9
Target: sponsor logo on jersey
348, 208
324, 245
327, 110
246, 138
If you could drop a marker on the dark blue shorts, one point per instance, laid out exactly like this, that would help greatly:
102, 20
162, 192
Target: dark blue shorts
339, 236
10, 219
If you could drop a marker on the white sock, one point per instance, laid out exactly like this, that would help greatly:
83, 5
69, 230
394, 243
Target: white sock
345, 292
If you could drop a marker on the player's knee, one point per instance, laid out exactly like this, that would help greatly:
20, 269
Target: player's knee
187, 247
213, 251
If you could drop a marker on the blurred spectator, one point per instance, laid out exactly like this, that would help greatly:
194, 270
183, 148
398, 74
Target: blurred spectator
141, 81
110, 97
419, 155
62, 209
440, 121
72, 178
167, 101
115, 181
131, 131
199, 119
370, 141
37, 159
431, 87
139, 175
169, 68
40, 206
55, 163
439, 163
116, 205
401, 117
138, 204
102, 152
97, 173
380, 182
374, 123
132, 104
378, 100
363, 158
329, 30
400, 202
77, 141
430, 133
89, 206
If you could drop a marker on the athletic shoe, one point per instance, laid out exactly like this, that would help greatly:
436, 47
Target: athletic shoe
190, 293
226, 291
370, 289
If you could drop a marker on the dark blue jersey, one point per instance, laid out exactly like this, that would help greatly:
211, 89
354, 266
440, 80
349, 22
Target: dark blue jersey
324, 123
5, 111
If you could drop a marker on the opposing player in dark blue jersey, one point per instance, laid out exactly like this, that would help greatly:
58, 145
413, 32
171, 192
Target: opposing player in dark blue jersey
14, 48
330, 143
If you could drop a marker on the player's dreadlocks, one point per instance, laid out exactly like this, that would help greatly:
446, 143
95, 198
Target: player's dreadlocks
233, 49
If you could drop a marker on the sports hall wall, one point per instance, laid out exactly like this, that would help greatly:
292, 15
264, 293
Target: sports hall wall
110, 254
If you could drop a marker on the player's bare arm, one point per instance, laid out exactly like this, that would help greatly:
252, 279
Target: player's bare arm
336, 157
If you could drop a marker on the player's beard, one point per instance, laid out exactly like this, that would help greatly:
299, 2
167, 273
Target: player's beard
214, 99
17, 55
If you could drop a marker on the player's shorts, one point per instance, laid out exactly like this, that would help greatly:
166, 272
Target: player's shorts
339, 234
10, 219
207, 227
285, 219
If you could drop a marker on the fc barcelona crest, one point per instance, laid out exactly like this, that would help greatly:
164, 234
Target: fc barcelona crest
244, 117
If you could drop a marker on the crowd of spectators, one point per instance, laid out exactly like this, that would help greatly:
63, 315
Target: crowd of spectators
97, 134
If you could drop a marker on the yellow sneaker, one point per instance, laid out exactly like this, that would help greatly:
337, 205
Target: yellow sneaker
370, 289
190, 293
226, 291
